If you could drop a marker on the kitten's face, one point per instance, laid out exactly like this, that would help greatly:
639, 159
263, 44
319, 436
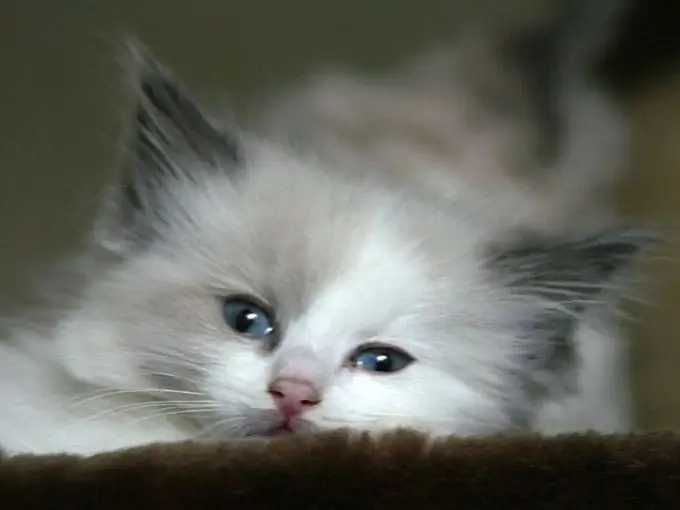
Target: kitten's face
261, 291
342, 277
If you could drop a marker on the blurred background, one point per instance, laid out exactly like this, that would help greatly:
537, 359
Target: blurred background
60, 115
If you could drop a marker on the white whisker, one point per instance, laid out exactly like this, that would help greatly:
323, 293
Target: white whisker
204, 409
136, 407
141, 392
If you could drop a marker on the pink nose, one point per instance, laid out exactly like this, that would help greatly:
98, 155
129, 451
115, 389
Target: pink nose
293, 396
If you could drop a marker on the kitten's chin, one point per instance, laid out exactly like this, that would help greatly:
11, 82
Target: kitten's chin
283, 430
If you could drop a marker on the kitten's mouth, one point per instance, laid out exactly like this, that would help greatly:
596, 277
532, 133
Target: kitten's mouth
282, 429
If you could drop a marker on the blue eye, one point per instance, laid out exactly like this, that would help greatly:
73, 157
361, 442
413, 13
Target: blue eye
247, 318
381, 359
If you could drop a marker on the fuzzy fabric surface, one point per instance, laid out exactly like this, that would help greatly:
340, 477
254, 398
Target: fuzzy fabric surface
337, 470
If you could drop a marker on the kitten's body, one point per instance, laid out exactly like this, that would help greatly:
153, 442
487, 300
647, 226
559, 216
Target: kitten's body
429, 127
475, 318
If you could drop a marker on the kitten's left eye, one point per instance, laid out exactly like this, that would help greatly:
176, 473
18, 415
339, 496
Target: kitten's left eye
380, 359
247, 318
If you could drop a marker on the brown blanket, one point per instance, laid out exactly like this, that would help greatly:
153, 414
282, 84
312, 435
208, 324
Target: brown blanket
335, 470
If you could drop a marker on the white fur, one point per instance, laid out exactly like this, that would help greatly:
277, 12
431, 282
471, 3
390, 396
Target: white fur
45, 410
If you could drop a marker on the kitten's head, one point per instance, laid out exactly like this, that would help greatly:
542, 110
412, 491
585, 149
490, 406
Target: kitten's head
258, 290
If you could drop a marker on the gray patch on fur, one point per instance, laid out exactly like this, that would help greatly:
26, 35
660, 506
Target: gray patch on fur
570, 270
536, 53
544, 58
169, 130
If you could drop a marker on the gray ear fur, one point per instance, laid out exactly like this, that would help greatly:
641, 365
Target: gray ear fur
169, 141
571, 271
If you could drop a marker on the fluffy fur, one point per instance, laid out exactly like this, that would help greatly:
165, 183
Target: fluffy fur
138, 350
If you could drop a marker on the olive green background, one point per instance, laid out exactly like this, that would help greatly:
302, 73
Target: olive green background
61, 115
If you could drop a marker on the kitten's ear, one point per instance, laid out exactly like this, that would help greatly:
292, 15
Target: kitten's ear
569, 272
169, 141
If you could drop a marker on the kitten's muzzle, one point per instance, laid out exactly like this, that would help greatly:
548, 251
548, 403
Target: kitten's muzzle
293, 396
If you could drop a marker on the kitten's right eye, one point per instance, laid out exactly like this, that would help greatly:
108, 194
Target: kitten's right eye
380, 359
247, 318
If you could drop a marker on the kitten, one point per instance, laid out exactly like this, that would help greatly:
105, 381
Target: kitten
236, 286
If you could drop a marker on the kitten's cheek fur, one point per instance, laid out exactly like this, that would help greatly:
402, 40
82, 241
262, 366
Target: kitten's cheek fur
91, 351
377, 402
237, 381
